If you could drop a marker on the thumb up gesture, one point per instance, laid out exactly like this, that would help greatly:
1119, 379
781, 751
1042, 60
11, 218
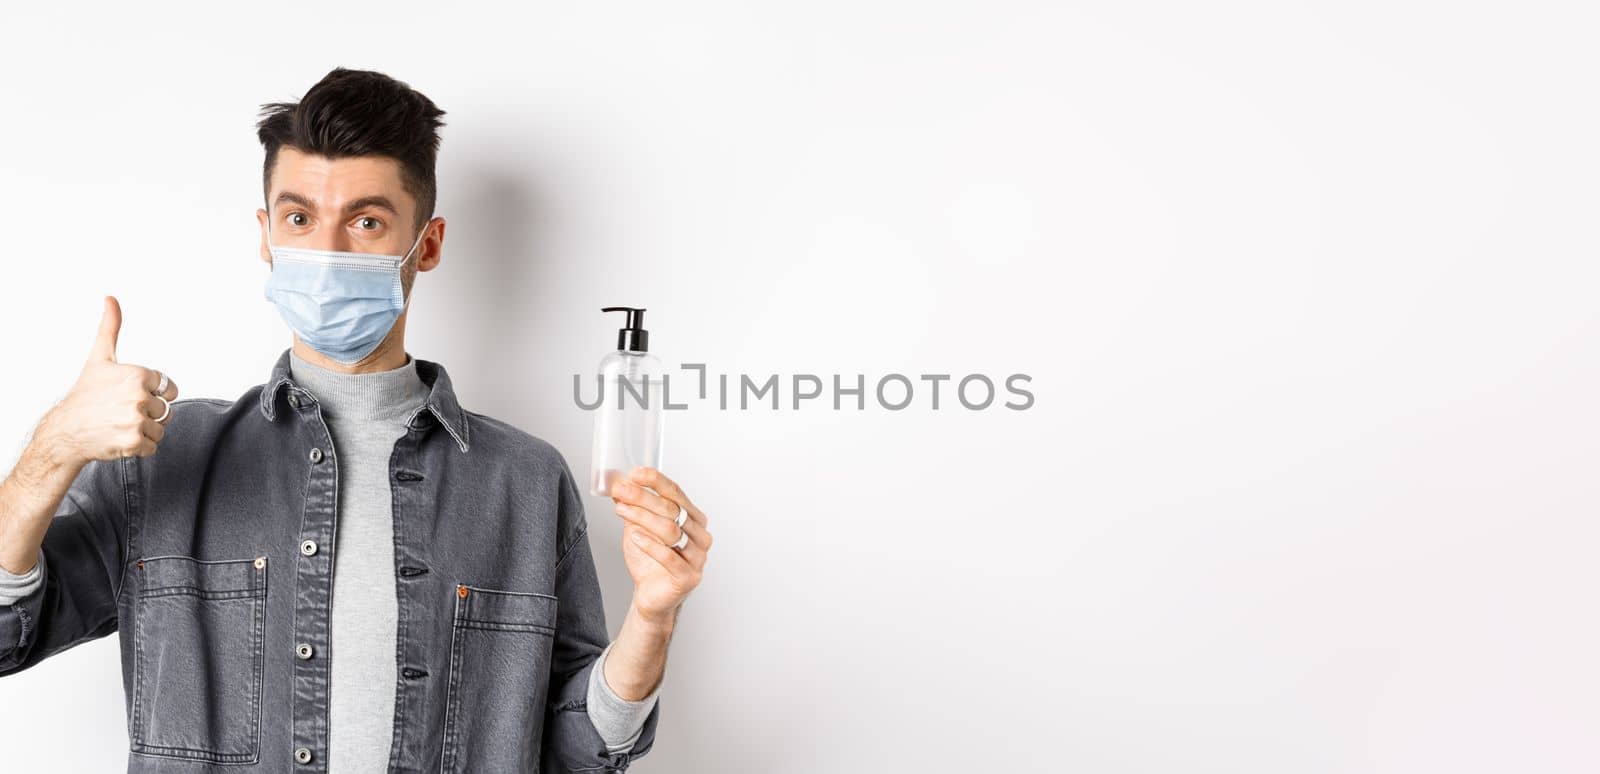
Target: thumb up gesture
115, 409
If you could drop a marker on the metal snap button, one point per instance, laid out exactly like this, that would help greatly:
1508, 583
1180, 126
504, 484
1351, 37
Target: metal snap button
316, 455
294, 400
303, 755
308, 547
303, 650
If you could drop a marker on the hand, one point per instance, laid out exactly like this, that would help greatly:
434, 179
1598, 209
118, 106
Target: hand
663, 576
110, 412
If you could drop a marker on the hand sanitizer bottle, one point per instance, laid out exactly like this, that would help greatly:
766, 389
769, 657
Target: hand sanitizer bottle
628, 422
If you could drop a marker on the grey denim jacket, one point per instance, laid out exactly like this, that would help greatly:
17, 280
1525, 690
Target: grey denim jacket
213, 561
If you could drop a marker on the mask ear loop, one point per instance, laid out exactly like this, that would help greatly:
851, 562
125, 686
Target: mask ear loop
406, 304
413, 249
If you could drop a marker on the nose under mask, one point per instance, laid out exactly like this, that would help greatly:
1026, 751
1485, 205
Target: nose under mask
341, 304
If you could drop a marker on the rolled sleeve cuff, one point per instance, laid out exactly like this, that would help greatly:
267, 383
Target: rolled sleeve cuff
618, 720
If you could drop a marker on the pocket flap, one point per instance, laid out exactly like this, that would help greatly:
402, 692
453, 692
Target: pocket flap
483, 608
211, 578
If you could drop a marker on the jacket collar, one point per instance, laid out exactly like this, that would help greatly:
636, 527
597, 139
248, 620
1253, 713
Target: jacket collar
441, 400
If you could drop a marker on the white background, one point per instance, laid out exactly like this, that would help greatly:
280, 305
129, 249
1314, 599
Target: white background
1306, 292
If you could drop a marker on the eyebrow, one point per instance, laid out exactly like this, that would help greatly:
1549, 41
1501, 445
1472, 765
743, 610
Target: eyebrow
364, 202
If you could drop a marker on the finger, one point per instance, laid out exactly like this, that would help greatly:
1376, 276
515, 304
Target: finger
694, 550
668, 488
153, 430
105, 340
662, 528
675, 564
150, 379
666, 528
151, 406
146, 448
131, 439
655, 479
657, 525
634, 494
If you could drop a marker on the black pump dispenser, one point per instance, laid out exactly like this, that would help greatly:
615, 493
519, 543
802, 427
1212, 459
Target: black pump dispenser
633, 338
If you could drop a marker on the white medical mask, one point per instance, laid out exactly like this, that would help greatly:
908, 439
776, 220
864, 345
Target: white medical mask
341, 304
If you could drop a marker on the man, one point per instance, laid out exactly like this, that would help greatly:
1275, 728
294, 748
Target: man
344, 569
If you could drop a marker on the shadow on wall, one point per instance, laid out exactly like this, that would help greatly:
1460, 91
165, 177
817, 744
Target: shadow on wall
499, 272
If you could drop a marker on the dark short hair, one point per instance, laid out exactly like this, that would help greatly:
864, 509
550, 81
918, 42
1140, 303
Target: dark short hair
359, 113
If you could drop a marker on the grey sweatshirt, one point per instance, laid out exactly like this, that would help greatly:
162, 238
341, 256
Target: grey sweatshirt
366, 414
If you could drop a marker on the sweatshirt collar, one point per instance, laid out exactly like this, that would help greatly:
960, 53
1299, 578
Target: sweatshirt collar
441, 401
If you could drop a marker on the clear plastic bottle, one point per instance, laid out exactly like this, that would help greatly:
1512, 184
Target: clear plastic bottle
628, 423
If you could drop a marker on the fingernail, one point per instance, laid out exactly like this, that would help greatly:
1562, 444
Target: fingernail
637, 538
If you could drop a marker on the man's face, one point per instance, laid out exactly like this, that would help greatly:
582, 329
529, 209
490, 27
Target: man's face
356, 205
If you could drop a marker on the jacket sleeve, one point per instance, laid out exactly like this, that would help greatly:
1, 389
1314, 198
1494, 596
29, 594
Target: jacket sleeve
81, 563
571, 741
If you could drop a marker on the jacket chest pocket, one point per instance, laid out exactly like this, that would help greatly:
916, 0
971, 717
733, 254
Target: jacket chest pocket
198, 657
500, 647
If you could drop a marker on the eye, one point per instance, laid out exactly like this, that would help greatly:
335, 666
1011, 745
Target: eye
375, 223
297, 219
